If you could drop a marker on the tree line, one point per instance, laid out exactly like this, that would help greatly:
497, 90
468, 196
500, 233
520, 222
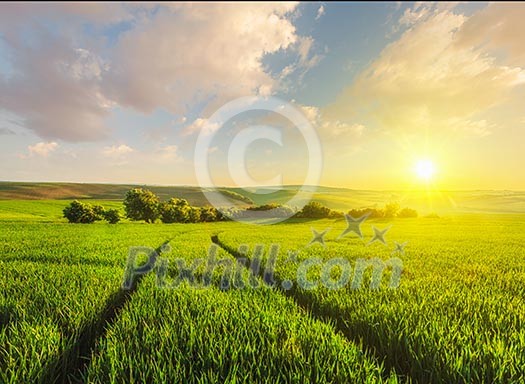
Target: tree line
316, 210
144, 205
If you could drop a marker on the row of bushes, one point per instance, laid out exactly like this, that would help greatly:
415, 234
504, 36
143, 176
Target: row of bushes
391, 210
144, 205
85, 213
315, 210
141, 204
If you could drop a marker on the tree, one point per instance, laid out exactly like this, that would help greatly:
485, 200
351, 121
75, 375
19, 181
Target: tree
99, 210
336, 215
208, 214
407, 212
112, 216
264, 207
194, 215
78, 212
141, 204
271, 210
175, 211
391, 210
372, 213
220, 216
315, 210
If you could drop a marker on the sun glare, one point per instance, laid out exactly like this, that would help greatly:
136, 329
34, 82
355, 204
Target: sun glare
425, 169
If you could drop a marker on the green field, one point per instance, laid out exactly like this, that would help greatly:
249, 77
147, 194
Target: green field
457, 315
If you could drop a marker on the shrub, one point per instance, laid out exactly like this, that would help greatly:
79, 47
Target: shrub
219, 216
335, 215
175, 211
372, 213
79, 212
112, 216
284, 211
99, 210
141, 204
407, 212
208, 214
194, 215
272, 210
264, 207
314, 210
391, 210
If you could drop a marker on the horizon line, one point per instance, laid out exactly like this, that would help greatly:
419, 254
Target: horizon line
260, 187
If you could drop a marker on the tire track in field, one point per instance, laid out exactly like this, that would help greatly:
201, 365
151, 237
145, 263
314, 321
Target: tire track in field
321, 312
74, 360
70, 366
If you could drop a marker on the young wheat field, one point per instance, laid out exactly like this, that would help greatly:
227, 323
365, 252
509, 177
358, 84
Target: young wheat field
456, 315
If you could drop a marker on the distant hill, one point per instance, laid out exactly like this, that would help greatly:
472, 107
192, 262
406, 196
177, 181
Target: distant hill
70, 191
442, 202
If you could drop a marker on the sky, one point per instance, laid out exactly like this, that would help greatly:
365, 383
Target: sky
122, 92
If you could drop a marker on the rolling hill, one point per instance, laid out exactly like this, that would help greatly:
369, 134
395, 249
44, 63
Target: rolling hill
441, 202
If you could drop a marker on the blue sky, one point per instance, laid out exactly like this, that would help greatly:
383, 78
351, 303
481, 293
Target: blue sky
120, 92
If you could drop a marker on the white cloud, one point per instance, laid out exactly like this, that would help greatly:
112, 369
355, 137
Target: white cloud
42, 149
312, 113
341, 129
15, 14
419, 12
306, 60
331, 128
200, 125
86, 65
56, 91
195, 52
497, 27
116, 151
320, 12
180, 120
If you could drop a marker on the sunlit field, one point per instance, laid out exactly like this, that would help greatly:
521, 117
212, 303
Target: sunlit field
262, 192
455, 317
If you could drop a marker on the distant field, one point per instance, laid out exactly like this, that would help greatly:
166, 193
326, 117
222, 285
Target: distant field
441, 202
68, 191
42, 210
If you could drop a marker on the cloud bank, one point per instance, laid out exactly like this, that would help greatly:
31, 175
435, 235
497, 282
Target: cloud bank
63, 84
441, 73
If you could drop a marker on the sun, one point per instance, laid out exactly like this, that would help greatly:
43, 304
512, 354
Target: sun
425, 169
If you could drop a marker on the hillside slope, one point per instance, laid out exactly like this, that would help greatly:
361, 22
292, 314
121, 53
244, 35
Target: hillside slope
442, 202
